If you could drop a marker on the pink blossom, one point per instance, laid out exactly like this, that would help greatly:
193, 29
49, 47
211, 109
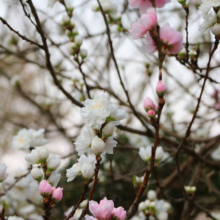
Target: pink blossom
160, 89
58, 194
217, 106
45, 188
119, 213
103, 210
215, 94
145, 4
148, 104
145, 23
171, 41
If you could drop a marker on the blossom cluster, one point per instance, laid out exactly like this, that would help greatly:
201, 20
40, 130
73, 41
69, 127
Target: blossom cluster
157, 209
105, 210
211, 14
170, 41
97, 136
27, 138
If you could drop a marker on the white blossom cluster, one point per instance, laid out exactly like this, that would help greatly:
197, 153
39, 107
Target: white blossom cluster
145, 154
18, 196
157, 209
97, 137
210, 16
40, 155
27, 138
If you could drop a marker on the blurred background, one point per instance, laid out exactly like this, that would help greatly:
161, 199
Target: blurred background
29, 98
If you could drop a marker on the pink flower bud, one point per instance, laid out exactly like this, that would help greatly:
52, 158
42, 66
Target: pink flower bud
58, 194
160, 89
214, 94
45, 188
151, 113
119, 213
103, 210
53, 188
148, 104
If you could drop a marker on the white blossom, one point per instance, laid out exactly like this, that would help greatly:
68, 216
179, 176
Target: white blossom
116, 114
53, 163
109, 145
27, 138
159, 153
96, 111
38, 137
208, 22
83, 143
145, 153
32, 157
76, 169
22, 140
54, 178
83, 53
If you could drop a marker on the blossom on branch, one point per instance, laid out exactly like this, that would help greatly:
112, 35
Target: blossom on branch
143, 5
105, 210
170, 41
85, 166
145, 23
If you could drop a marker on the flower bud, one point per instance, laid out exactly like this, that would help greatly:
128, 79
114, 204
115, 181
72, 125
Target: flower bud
159, 154
43, 154
87, 171
53, 163
118, 213
148, 104
182, 54
3, 174
45, 188
108, 130
32, 157
151, 195
65, 18
139, 180
83, 53
83, 204
151, 114
78, 39
37, 174
217, 106
216, 29
97, 145
142, 206
145, 153
160, 89
190, 189
57, 194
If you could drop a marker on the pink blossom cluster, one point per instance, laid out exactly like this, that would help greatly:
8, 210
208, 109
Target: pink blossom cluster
143, 5
149, 105
168, 39
45, 189
216, 95
105, 211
